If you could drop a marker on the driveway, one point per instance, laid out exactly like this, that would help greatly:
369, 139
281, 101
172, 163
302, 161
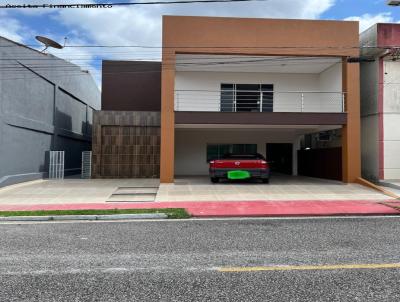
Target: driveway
79, 191
281, 187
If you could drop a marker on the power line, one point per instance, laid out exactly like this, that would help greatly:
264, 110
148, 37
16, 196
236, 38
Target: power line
184, 60
210, 46
267, 62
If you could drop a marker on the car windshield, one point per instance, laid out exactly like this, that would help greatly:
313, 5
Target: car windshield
243, 156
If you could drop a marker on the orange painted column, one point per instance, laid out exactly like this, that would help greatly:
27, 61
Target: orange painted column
351, 141
167, 156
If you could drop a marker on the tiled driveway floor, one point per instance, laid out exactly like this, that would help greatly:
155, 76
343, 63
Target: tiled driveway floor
68, 190
280, 188
78, 191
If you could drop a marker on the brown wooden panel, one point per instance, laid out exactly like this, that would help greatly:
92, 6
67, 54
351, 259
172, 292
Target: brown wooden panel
126, 144
129, 151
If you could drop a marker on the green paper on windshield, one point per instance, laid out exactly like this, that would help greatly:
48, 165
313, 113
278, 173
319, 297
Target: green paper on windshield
238, 174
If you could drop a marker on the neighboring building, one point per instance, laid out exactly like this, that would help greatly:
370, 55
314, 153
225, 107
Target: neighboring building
380, 106
234, 84
46, 103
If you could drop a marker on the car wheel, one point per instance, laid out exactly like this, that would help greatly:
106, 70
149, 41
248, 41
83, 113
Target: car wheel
214, 179
265, 180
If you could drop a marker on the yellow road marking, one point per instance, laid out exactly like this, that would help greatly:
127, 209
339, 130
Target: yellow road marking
307, 267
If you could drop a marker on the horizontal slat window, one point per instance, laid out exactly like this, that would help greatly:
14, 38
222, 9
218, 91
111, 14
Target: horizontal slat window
246, 97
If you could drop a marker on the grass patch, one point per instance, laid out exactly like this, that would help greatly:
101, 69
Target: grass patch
172, 213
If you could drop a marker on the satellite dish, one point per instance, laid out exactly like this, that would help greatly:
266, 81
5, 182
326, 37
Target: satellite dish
48, 43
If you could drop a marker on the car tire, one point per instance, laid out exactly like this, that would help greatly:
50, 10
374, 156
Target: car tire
214, 179
265, 180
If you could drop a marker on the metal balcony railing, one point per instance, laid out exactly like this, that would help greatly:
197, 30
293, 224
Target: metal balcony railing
259, 101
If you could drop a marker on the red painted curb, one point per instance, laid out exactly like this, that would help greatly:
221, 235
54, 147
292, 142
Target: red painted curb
269, 208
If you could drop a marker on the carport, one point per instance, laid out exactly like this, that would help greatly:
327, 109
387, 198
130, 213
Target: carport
286, 147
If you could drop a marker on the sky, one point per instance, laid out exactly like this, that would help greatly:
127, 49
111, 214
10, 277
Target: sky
141, 25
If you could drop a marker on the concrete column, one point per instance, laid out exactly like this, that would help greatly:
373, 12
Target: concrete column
351, 142
296, 146
167, 157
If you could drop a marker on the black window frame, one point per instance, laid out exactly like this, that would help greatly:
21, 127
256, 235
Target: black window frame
250, 101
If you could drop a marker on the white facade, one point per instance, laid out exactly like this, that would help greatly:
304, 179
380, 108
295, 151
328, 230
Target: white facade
299, 85
369, 77
391, 119
371, 128
317, 91
380, 103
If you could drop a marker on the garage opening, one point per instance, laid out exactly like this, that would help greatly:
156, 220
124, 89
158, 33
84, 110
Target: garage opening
290, 150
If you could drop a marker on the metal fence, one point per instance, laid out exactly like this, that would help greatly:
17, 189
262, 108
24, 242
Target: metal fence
56, 164
259, 101
86, 165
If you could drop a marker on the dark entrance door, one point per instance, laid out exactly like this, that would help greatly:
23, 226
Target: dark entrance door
280, 157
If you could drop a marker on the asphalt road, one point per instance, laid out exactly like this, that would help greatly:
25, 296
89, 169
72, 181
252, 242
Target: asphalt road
182, 260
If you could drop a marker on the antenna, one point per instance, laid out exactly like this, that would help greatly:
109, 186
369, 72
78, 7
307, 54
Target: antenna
48, 43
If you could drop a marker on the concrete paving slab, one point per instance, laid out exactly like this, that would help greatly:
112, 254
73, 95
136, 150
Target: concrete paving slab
188, 189
136, 191
280, 188
131, 198
69, 191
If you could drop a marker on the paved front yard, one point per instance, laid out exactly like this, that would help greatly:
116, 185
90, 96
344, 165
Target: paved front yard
68, 190
78, 191
280, 188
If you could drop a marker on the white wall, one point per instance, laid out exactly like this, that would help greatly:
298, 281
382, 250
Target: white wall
391, 119
208, 84
369, 77
331, 78
191, 145
369, 147
369, 81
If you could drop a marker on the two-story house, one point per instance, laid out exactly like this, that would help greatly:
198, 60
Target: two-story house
233, 85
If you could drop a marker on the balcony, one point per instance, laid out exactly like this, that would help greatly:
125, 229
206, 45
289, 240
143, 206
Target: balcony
259, 100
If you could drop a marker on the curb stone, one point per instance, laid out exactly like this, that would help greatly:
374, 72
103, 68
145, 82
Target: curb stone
85, 217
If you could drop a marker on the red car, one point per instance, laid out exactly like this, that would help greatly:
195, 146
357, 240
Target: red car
240, 166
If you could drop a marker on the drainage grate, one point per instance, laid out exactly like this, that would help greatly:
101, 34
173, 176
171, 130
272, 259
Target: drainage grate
134, 194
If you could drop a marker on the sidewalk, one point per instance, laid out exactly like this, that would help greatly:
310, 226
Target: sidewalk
236, 208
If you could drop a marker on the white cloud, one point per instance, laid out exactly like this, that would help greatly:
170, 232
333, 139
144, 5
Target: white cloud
367, 20
11, 29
